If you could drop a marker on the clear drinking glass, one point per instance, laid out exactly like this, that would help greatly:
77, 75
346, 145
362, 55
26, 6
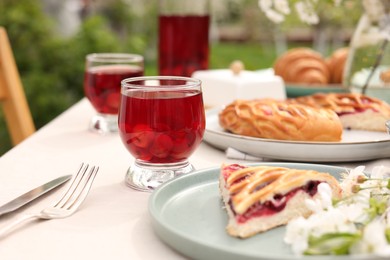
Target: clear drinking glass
161, 122
102, 83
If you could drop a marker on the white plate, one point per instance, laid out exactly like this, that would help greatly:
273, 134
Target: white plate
354, 146
187, 214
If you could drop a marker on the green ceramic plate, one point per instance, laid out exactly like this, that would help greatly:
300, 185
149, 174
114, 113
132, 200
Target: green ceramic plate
304, 90
188, 215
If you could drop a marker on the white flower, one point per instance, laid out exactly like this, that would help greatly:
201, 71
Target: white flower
375, 11
356, 212
275, 12
282, 6
380, 172
357, 220
357, 171
306, 12
326, 195
324, 200
331, 221
318, 224
297, 232
314, 205
274, 16
379, 178
374, 240
374, 235
350, 179
357, 223
265, 5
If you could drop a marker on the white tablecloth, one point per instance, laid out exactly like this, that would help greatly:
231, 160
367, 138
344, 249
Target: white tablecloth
113, 223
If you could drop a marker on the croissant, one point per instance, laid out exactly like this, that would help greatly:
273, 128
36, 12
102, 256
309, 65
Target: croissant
267, 118
336, 63
302, 65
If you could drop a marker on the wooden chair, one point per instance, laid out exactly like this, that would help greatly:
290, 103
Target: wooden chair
12, 97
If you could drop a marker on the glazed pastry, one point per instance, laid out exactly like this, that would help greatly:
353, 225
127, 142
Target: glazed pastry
336, 64
302, 65
264, 197
356, 111
271, 119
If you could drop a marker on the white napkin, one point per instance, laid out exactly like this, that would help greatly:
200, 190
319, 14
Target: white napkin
232, 153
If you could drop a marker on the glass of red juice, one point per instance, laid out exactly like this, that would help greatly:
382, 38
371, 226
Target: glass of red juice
183, 42
161, 122
102, 85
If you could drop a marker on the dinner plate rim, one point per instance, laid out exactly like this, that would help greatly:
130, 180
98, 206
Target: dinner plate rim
348, 150
215, 111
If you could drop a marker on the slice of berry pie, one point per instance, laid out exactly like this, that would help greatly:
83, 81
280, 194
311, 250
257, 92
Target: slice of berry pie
263, 197
356, 111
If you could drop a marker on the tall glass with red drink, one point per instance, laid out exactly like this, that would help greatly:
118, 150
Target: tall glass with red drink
161, 122
102, 83
183, 36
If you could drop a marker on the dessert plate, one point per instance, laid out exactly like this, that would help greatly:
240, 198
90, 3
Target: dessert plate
355, 145
187, 214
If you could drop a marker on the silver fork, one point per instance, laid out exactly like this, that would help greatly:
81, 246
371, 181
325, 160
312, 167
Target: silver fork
71, 200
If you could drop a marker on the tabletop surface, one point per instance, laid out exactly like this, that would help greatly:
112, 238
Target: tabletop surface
113, 222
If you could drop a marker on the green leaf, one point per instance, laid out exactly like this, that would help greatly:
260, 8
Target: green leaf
378, 206
387, 234
331, 243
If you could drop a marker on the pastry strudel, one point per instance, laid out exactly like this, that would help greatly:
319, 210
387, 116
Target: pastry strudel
272, 119
263, 197
356, 111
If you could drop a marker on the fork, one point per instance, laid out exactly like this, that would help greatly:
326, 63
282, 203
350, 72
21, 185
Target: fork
68, 204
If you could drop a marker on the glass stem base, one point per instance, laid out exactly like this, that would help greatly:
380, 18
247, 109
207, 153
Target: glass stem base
147, 177
104, 124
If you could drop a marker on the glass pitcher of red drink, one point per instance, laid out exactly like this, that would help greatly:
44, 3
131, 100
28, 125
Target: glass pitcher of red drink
183, 36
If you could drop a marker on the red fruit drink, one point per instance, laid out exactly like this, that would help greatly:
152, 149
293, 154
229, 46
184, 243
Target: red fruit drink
162, 127
102, 85
183, 44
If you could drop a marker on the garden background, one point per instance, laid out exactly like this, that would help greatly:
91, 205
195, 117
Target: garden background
51, 38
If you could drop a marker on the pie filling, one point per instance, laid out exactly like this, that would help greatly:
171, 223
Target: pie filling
276, 205
356, 111
231, 168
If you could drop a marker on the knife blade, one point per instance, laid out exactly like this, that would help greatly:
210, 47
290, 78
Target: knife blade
32, 194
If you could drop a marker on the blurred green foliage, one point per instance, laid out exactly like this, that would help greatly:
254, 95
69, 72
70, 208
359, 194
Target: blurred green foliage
52, 66
254, 56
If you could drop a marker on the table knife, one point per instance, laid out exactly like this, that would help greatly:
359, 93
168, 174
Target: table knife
32, 194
